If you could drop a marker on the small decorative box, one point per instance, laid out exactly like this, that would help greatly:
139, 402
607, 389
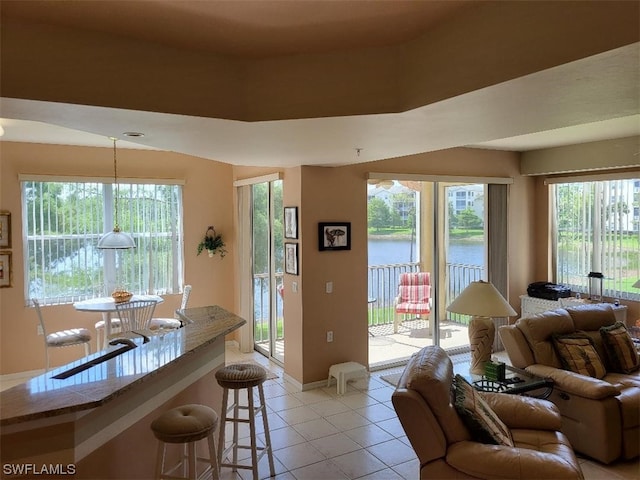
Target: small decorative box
494, 371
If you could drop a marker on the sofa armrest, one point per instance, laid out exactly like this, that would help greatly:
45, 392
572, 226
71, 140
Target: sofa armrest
481, 460
516, 345
574, 383
524, 412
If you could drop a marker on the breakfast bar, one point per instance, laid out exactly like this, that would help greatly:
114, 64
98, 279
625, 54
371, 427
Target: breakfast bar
92, 416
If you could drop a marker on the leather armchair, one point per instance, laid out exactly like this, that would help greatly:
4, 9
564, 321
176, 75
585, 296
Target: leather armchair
444, 446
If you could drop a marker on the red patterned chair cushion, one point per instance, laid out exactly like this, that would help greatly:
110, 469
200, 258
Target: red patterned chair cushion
414, 293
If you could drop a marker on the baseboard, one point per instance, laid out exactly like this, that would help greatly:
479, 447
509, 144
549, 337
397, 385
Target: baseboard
306, 386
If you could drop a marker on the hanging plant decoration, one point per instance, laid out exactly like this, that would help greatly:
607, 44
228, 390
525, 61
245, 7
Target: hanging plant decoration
213, 243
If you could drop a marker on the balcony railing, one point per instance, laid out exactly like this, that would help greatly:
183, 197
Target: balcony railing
383, 288
262, 304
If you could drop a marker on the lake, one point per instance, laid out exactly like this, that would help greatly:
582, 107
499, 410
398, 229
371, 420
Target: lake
384, 252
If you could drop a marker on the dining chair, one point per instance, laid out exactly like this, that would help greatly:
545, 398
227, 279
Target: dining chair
62, 338
116, 327
171, 323
134, 315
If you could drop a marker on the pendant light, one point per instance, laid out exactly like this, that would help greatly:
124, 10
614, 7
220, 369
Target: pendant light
116, 239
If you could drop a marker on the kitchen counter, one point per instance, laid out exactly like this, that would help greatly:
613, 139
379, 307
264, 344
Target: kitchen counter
99, 403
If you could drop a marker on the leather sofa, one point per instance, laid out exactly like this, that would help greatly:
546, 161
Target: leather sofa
444, 446
600, 416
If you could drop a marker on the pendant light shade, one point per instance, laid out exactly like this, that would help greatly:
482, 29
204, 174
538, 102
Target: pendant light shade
116, 239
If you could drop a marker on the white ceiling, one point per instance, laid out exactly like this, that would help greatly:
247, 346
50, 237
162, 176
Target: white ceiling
595, 98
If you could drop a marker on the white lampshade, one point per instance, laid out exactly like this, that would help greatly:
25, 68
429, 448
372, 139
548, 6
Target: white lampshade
481, 299
116, 240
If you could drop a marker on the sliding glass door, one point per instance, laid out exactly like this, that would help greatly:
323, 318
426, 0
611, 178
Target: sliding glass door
436, 228
267, 268
461, 253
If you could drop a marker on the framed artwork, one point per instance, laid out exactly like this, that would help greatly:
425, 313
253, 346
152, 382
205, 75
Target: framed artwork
290, 222
334, 236
5, 269
291, 258
5, 230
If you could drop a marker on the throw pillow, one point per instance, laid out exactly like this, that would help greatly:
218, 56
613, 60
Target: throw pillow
618, 344
482, 422
578, 354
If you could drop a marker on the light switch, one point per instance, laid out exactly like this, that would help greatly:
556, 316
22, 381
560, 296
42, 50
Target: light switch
329, 287
294, 287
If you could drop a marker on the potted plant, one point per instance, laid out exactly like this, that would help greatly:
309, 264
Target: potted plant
213, 243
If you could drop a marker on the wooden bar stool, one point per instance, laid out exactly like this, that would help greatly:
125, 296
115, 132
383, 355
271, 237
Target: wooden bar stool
186, 424
237, 377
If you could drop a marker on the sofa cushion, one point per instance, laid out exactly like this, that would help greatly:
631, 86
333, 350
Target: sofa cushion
480, 419
596, 340
592, 316
578, 354
621, 351
538, 330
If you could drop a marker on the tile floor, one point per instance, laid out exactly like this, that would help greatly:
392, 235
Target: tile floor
317, 434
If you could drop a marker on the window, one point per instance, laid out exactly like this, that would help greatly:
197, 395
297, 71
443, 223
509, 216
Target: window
63, 222
596, 231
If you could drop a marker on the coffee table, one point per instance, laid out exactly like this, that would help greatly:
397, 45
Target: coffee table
516, 382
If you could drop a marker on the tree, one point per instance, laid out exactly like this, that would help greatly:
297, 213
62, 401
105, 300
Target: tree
467, 219
379, 215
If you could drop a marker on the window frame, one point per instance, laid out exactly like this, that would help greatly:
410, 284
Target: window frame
145, 197
614, 286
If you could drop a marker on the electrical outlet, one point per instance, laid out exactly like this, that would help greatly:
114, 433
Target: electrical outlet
329, 336
40, 331
329, 287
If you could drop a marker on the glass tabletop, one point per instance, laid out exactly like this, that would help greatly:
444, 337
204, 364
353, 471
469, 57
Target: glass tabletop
516, 381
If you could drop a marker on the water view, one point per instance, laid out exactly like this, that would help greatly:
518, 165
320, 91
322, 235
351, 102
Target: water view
386, 252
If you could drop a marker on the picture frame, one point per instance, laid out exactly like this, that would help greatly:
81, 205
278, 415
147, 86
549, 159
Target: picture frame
291, 222
6, 272
334, 236
291, 258
5, 230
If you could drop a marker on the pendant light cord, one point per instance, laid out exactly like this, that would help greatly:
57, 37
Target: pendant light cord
116, 227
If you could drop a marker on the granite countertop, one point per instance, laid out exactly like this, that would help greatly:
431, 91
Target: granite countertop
44, 396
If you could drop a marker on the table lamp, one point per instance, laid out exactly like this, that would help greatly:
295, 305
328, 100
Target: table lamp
482, 301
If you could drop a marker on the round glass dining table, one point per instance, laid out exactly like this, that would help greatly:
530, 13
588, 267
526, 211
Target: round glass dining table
107, 307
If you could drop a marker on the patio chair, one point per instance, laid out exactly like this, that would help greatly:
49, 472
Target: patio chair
414, 296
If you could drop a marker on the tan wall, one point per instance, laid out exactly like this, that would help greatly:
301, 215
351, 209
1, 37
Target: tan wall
207, 201
334, 195
593, 156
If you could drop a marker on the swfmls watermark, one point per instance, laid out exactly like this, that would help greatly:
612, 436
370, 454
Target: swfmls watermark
21, 469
